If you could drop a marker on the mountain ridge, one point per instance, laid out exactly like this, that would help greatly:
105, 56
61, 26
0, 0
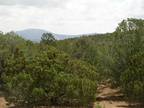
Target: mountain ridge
34, 34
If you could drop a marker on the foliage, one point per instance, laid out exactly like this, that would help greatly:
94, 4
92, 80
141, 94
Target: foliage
67, 72
128, 70
94, 49
51, 77
117, 56
48, 38
98, 106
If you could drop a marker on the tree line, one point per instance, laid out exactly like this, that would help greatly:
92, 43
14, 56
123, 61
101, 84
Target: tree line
68, 72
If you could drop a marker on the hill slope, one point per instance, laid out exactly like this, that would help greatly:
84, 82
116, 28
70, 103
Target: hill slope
35, 34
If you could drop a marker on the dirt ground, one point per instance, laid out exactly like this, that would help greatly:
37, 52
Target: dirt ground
3, 103
112, 98
107, 98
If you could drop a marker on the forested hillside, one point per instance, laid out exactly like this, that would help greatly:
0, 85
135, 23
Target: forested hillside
68, 72
117, 56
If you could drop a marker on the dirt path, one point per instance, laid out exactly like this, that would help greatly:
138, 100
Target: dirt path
107, 98
3, 102
112, 98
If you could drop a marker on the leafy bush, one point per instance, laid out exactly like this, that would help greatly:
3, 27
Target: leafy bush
50, 77
128, 69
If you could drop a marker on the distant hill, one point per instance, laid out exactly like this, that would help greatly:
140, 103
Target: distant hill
31, 34
35, 34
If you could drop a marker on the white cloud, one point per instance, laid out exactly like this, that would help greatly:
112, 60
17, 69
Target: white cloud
35, 3
68, 16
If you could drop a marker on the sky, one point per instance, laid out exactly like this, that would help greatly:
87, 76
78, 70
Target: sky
68, 16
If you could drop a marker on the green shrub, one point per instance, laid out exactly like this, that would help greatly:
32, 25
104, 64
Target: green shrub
50, 78
128, 69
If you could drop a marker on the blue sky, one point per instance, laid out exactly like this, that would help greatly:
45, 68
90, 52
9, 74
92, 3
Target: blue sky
68, 16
